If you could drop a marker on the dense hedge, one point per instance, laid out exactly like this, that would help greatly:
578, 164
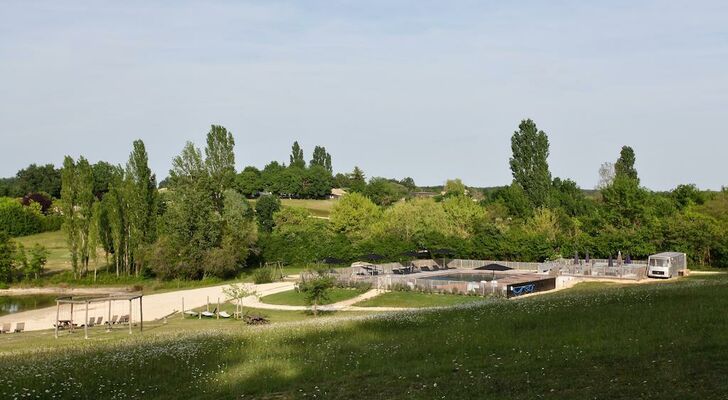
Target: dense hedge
18, 220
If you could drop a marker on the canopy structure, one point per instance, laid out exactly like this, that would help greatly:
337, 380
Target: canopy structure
110, 299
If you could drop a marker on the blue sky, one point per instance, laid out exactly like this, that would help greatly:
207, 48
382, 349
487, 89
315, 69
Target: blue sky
431, 90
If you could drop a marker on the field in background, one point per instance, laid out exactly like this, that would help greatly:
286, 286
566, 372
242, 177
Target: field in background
662, 340
59, 258
296, 298
318, 208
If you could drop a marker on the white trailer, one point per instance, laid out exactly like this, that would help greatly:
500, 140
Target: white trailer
666, 265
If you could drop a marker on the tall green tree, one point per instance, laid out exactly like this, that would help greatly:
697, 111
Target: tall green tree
240, 231
85, 196
116, 208
249, 182
220, 162
141, 196
624, 167
529, 163
102, 173
77, 199
316, 182
357, 180
265, 207
37, 178
69, 209
296, 158
321, 158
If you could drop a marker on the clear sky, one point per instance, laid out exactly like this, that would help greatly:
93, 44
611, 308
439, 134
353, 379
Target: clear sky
431, 90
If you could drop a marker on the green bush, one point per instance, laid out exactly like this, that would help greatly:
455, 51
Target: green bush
263, 275
17, 220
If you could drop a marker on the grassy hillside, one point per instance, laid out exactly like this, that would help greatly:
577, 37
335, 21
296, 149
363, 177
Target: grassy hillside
319, 208
667, 341
59, 258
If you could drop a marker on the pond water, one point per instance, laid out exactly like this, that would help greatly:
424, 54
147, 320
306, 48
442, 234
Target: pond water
483, 276
16, 304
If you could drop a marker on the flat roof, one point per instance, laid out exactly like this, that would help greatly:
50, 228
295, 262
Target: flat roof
668, 254
98, 299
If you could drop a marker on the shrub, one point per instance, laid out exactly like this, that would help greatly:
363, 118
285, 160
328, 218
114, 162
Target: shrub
17, 220
263, 275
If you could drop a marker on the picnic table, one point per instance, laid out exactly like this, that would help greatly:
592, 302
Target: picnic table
65, 323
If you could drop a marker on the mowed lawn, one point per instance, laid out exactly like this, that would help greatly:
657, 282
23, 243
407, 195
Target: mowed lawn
59, 257
318, 208
666, 341
416, 300
296, 298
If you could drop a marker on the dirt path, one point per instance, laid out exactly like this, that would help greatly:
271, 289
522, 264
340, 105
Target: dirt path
345, 305
156, 306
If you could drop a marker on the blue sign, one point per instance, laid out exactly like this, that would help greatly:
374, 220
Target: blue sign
519, 290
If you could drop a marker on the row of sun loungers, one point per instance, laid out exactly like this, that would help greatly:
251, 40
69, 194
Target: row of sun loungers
94, 321
433, 268
19, 327
208, 314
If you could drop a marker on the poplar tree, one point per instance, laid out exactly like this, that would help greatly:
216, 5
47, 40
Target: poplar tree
357, 180
296, 157
77, 201
322, 158
69, 204
86, 199
220, 162
624, 167
529, 163
141, 193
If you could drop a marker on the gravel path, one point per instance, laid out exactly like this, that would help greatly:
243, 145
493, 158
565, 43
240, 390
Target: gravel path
157, 306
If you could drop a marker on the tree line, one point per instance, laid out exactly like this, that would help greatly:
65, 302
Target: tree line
201, 221
535, 218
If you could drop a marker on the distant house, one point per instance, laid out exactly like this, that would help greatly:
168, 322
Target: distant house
337, 193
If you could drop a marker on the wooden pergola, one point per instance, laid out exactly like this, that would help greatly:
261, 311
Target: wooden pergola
110, 299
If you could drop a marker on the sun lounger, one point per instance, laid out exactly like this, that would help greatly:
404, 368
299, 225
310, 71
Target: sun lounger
207, 314
98, 320
114, 320
223, 314
124, 319
191, 313
19, 327
91, 322
5, 328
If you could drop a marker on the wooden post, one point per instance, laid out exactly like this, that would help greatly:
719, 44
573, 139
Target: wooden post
72, 317
218, 308
208, 303
108, 320
183, 308
85, 325
141, 316
129, 322
58, 316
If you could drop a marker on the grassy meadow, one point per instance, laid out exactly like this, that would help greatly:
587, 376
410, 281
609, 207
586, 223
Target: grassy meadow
665, 340
416, 300
318, 208
296, 298
59, 257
